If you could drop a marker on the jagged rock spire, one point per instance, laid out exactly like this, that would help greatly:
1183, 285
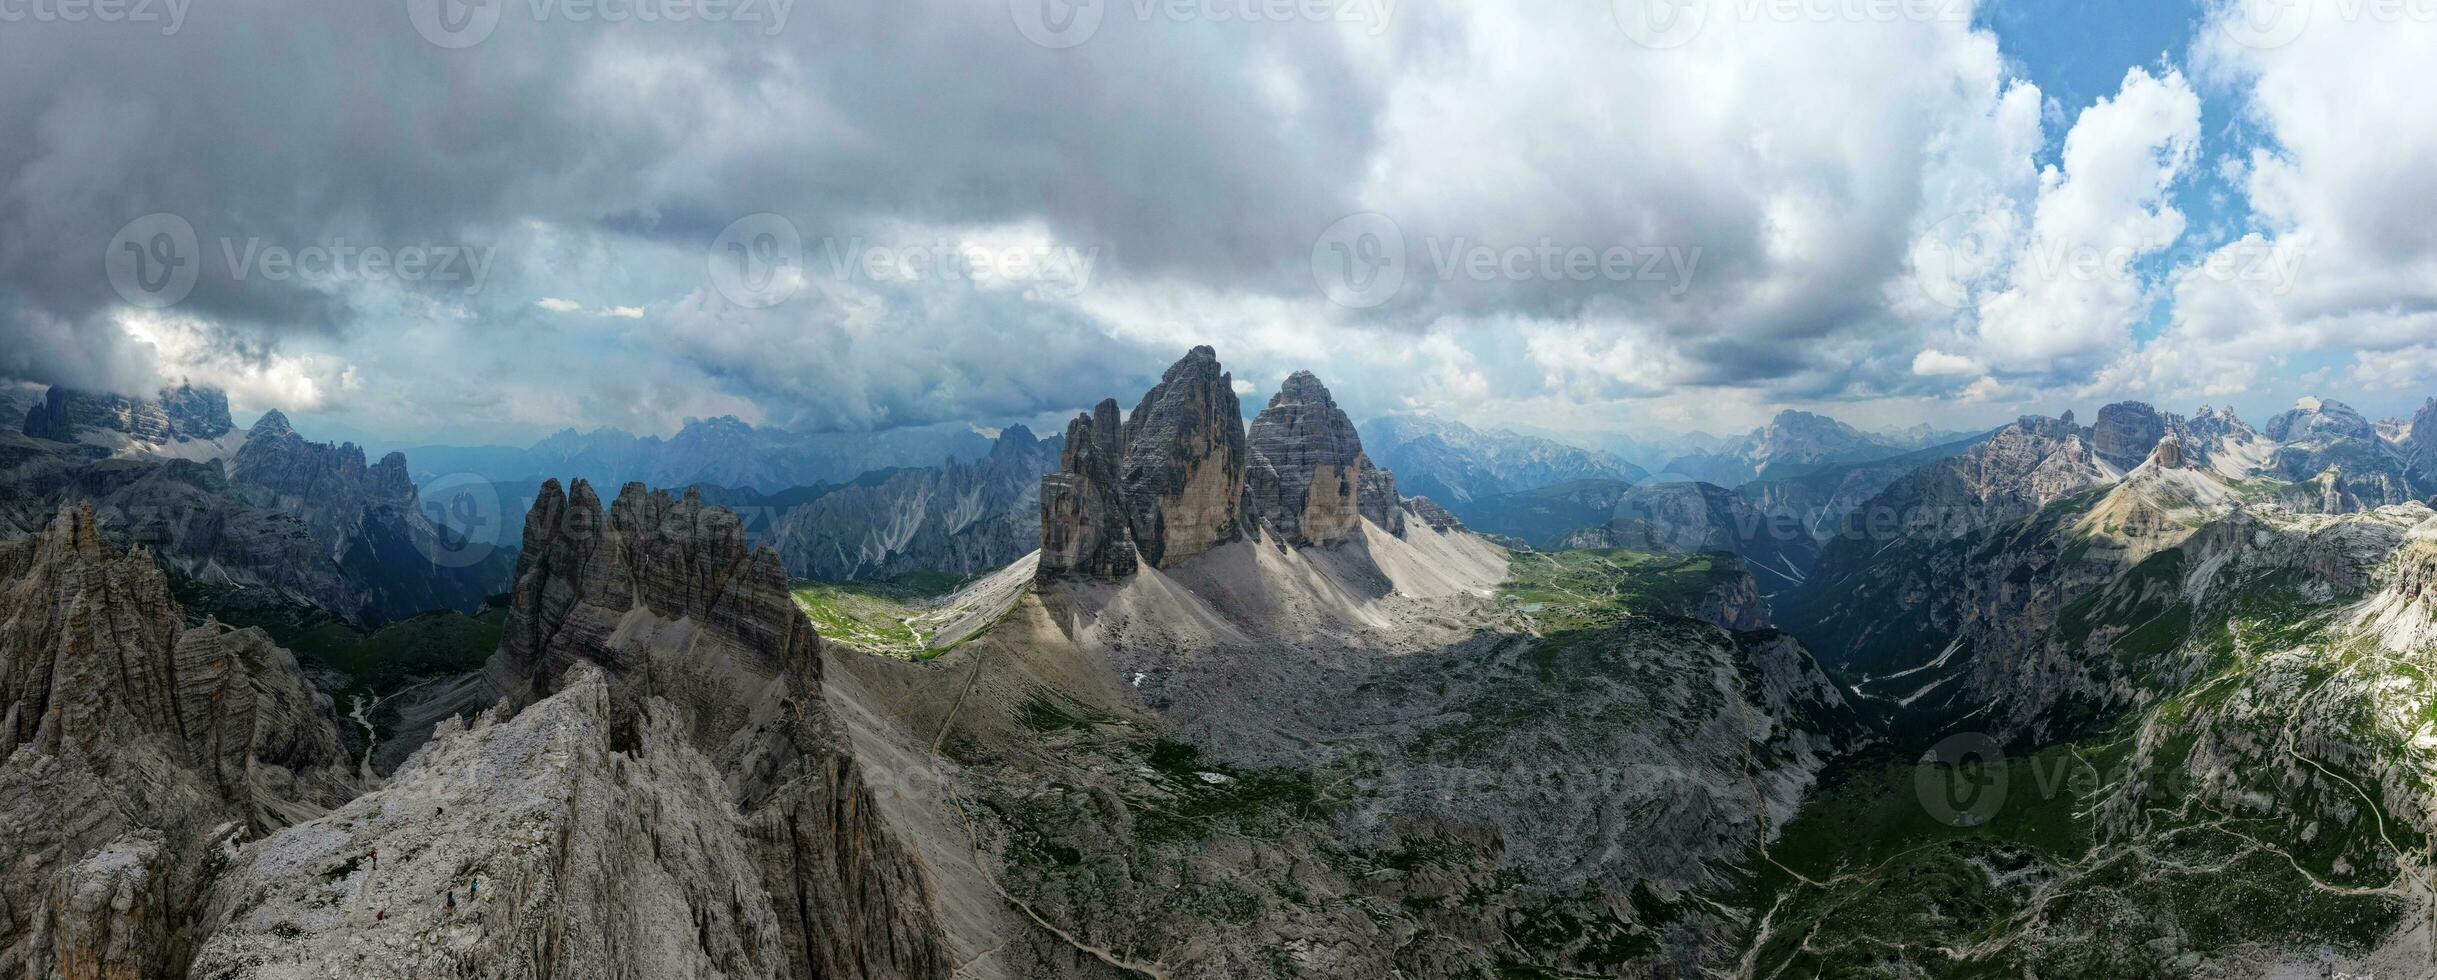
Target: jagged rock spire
1084, 524
1165, 486
1184, 462
1307, 481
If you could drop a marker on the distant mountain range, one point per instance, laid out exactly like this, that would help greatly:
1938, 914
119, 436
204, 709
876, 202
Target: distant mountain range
1791, 444
1455, 464
262, 515
723, 452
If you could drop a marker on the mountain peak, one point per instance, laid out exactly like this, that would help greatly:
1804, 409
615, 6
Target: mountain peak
1306, 480
1303, 387
273, 424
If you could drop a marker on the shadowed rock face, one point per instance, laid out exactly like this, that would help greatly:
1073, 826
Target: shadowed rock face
582, 570
132, 745
964, 518
1162, 488
2423, 443
1307, 481
712, 674
1183, 469
1084, 528
2127, 431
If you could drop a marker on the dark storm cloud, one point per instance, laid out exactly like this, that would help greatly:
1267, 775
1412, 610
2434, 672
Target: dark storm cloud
301, 123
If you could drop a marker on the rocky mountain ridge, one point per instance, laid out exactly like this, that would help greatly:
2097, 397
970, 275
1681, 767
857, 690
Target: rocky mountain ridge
1455, 464
183, 422
724, 451
1791, 443
133, 748
1182, 475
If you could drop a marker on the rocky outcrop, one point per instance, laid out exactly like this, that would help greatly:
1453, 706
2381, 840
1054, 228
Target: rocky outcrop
2169, 454
2022, 468
2338, 457
182, 412
1172, 475
1306, 480
368, 521
1085, 530
2421, 445
712, 675
276, 517
133, 745
1183, 470
1432, 515
184, 421
961, 518
1733, 600
2126, 431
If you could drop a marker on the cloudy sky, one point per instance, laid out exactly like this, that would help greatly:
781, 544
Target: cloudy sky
484, 220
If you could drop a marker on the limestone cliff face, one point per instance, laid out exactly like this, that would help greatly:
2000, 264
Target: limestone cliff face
712, 678
1183, 468
585, 574
963, 518
1306, 480
180, 413
1165, 486
1084, 526
368, 521
1181, 476
2422, 444
2022, 468
2126, 431
133, 745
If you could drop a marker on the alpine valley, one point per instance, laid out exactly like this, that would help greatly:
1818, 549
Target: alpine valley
1203, 686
